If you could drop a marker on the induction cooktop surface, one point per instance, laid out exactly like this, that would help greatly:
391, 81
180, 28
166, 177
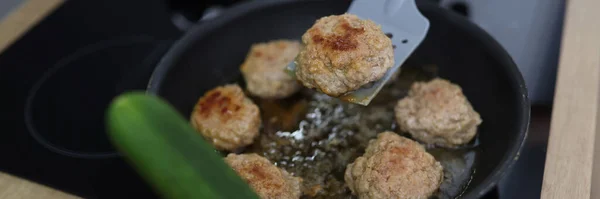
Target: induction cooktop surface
57, 81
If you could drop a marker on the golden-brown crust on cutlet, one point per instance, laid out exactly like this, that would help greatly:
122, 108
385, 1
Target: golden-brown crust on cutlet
227, 118
341, 53
264, 69
394, 167
266, 179
437, 112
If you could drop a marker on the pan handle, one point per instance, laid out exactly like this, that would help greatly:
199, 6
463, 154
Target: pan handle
185, 13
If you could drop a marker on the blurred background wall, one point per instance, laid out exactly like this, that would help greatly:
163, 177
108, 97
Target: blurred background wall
7, 5
530, 30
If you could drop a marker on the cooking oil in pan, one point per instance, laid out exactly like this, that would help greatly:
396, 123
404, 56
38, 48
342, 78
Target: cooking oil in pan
314, 136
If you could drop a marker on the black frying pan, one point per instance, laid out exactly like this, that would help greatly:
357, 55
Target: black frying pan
211, 52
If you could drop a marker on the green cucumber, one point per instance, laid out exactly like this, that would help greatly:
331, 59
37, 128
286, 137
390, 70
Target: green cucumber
168, 153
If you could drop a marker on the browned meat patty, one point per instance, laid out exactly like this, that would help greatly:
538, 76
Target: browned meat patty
268, 181
341, 53
394, 167
226, 117
437, 112
264, 69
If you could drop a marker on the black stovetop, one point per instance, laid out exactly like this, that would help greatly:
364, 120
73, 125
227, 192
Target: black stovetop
57, 81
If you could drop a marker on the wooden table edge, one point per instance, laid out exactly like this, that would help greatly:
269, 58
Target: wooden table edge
23, 18
572, 168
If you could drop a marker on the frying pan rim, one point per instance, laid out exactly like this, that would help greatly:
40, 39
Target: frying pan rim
497, 51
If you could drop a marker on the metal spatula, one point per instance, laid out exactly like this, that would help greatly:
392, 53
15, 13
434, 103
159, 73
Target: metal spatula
403, 21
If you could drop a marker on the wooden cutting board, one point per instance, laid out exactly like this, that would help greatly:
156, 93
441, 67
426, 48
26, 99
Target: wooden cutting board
572, 168
570, 171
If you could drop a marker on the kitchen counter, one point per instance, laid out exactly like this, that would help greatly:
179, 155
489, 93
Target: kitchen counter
573, 127
13, 187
